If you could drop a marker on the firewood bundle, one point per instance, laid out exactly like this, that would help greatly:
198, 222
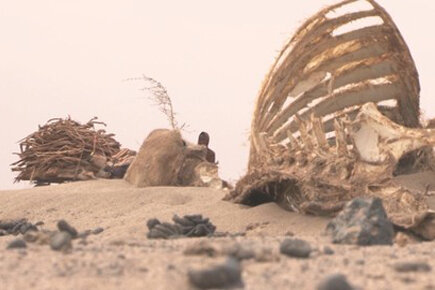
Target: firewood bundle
65, 150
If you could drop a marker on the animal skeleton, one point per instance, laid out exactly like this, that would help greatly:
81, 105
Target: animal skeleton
334, 117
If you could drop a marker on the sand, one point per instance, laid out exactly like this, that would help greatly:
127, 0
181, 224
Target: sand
121, 257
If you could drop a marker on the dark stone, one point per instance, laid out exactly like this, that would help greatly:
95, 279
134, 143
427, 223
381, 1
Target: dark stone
220, 276
97, 231
17, 244
164, 231
62, 225
295, 248
15, 227
328, 250
363, 221
187, 226
61, 241
412, 267
194, 225
334, 282
151, 223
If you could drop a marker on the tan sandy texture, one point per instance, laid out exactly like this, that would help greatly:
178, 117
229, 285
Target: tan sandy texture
121, 257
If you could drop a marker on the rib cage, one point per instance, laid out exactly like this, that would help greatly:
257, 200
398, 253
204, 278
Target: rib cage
321, 73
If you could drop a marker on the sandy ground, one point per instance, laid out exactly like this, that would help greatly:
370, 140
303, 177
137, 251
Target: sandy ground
121, 257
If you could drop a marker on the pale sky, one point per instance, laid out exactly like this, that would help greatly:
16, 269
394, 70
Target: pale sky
60, 58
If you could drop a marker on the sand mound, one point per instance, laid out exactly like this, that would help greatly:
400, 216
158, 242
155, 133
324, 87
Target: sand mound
122, 257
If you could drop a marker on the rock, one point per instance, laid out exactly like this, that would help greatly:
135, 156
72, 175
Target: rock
194, 225
334, 282
295, 248
328, 250
61, 241
220, 276
97, 231
412, 267
15, 227
17, 244
62, 225
363, 221
187, 226
151, 223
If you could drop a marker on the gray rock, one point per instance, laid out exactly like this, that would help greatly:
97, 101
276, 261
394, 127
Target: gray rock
412, 267
17, 244
220, 276
363, 221
62, 225
295, 248
97, 231
61, 241
328, 250
334, 282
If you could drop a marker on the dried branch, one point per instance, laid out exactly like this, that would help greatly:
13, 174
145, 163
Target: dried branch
160, 98
64, 150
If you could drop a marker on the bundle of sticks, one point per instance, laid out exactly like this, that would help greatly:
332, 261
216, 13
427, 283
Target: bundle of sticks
65, 150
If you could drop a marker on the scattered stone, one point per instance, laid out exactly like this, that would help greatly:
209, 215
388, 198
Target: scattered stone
363, 221
328, 250
151, 223
84, 235
187, 226
3, 233
334, 282
17, 226
61, 241
17, 244
220, 276
295, 248
62, 225
412, 267
97, 231
201, 248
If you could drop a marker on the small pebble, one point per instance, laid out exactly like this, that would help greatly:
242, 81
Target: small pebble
220, 276
328, 250
334, 282
412, 267
97, 231
17, 244
62, 225
61, 241
295, 248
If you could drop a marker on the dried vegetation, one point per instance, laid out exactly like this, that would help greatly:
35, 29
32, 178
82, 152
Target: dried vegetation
65, 150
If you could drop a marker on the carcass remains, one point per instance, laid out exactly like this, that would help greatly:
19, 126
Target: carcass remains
337, 117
